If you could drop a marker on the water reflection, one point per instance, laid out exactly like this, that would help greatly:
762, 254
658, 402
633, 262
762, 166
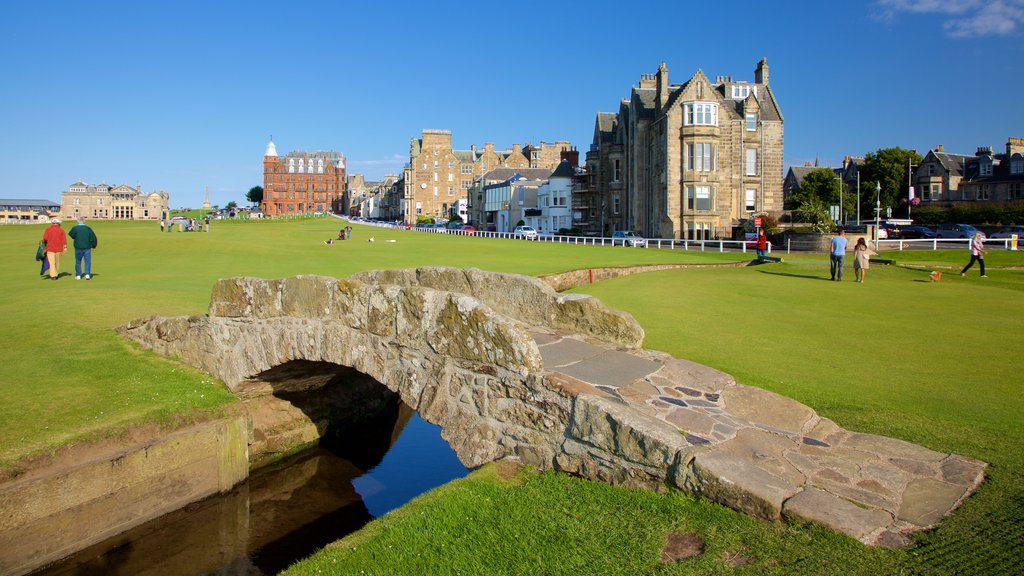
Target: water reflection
284, 512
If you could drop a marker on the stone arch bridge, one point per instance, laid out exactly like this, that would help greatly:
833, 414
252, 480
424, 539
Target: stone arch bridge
507, 367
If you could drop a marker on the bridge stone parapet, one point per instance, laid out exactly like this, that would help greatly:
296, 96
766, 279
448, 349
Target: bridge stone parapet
509, 368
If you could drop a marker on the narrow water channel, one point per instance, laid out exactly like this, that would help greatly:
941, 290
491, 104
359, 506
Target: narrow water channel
283, 512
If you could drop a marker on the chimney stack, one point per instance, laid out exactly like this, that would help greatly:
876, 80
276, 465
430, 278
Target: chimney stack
938, 148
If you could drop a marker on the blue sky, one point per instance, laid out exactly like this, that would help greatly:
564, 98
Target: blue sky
183, 95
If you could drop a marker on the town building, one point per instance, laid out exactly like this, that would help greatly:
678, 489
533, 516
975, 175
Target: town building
104, 202
490, 205
438, 176
303, 182
13, 211
689, 161
554, 202
980, 177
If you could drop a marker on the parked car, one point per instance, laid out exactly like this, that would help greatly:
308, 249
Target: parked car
628, 238
525, 232
957, 231
1007, 231
917, 232
890, 230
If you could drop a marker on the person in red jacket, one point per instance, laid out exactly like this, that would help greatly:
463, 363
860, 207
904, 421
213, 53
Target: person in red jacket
56, 244
762, 243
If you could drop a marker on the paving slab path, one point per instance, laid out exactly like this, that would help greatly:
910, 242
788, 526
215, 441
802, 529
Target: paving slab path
768, 455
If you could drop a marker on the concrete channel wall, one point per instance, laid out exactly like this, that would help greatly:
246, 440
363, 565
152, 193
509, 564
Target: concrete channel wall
47, 517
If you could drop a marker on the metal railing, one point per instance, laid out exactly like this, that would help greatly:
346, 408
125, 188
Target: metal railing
743, 246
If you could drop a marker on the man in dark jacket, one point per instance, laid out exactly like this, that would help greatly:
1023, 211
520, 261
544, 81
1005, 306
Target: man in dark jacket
85, 243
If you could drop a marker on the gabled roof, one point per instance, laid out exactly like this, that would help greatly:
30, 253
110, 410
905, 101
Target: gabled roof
646, 99
465, 156
954, 163
503, 174
564, 170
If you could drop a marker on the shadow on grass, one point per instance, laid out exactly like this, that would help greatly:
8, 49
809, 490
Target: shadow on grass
790, 274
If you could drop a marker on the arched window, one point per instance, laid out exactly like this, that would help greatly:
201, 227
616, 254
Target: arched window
1017, 164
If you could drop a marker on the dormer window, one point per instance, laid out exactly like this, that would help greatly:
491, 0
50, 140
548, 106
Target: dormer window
751, 120
985, 166
741, 91
700, 114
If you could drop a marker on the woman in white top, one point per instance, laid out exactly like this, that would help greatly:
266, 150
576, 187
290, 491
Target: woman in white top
977, 254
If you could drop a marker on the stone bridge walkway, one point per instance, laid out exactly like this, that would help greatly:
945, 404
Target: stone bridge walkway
766, 454
508, 367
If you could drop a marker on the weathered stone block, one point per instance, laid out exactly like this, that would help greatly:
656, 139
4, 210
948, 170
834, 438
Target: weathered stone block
820, 507
738, 484
307, 296
623, 433
926, 501
766, 407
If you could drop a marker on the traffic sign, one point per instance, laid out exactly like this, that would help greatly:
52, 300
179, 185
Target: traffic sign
757, 221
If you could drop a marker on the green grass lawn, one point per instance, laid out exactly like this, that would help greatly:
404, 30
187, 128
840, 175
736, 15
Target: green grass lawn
897, 355
68, 377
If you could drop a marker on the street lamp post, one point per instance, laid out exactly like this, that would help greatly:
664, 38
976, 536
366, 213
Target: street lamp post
840, 179
878, 208
910, 187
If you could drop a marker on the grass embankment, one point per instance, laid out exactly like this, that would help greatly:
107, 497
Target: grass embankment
930, 363
67, 377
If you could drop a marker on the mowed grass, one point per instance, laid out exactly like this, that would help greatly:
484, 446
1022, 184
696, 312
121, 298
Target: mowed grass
68, 377
931, 363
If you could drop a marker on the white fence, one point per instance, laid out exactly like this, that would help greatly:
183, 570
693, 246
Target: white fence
703, 245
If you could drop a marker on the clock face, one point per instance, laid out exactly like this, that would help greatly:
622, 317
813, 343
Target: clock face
423, 185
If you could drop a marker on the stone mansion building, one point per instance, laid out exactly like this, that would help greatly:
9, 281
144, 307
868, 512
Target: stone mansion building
688, 160
303, 182
103, 202
438, 177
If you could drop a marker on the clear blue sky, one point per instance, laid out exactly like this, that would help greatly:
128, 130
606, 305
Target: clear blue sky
182, 95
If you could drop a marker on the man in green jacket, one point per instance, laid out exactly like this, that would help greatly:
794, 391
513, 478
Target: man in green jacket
85, 243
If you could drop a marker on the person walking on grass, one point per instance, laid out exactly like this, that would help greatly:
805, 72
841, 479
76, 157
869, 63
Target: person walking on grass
837, 252
56, 244
977, 254
861, 259
85, 243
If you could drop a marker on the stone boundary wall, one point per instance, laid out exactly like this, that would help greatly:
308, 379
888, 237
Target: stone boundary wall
573, 278
48, 517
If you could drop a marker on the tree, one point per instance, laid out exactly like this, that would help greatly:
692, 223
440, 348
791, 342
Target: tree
231, 205
888, 167
823, 185
255, 194
815, 212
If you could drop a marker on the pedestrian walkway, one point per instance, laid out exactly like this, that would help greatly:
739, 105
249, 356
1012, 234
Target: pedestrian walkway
768, 455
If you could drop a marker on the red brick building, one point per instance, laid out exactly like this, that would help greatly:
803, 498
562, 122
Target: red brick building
302, 182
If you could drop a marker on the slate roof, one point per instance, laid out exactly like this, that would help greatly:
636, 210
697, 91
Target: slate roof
21, 203
465, 156
800, 172
502, 174
606, 127
564, 170
954, 163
